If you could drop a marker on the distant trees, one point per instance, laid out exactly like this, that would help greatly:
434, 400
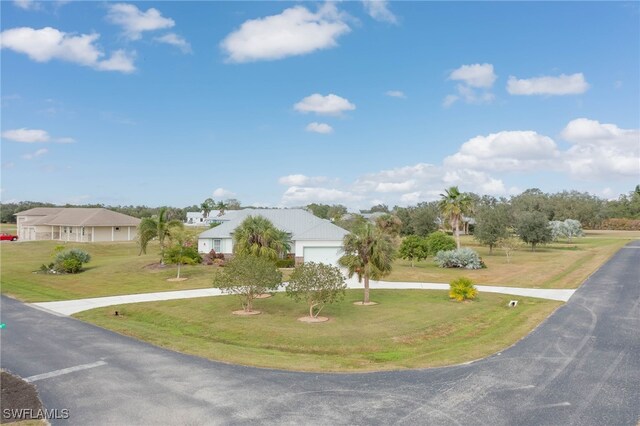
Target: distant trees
325, 211
533, 228
453, 205
491, 224
389, 224
257, 236
369, 253
206, 206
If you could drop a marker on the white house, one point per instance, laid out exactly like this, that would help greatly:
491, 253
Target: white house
198, 219
75, 224
312, 239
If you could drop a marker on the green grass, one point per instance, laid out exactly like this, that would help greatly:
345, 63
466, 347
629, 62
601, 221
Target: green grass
408, 329
557, 265
115, 269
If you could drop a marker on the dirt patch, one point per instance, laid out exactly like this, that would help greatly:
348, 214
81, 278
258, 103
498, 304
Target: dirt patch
244, 313
365, 304
174, 280
313, 320
18, 395
263, 296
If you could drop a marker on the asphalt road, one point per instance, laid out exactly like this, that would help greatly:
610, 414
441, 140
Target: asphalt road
580, 367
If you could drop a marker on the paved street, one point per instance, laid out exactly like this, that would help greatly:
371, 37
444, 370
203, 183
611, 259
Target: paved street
581, 367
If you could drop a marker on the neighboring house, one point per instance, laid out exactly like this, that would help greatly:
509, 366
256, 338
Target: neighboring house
75, 224
198, 219
312, 239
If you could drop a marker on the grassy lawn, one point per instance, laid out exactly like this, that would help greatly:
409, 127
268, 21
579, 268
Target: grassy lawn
115, 268
408, 329
557, 265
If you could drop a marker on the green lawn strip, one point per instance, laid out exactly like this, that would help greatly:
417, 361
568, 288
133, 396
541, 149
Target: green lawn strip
115, 269
408, 329
557, 265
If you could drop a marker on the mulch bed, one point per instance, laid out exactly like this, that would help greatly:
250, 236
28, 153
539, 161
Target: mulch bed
17, 394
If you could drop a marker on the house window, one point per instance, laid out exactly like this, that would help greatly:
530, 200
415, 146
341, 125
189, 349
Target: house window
217, 245
83, 231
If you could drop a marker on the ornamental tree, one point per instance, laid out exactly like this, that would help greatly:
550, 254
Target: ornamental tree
317, 284
248, 276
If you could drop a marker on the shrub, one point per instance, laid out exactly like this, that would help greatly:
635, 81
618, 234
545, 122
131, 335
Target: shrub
460, 258
68, 261
621, 224
462, 289
439, 241
285, 263
414, 248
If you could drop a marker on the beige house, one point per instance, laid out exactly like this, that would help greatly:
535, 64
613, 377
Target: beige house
75, 224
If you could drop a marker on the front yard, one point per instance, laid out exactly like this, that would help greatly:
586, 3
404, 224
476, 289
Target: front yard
408, 329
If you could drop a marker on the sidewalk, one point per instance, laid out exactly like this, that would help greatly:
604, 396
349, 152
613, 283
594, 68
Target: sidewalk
69, 307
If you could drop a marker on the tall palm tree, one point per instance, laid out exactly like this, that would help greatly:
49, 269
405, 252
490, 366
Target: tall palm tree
222, 207
453, 205
369, 253
257, 236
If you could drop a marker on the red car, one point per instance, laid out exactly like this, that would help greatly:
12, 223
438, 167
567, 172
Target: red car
8, 237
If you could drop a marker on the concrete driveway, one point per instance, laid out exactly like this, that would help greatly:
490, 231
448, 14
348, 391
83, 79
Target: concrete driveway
581, 367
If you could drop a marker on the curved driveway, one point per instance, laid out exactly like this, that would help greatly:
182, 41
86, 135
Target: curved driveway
581, 367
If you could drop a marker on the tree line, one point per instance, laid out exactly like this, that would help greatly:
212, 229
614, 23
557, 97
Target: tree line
422, 219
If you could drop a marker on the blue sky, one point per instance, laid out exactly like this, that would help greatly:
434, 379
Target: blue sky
284, 104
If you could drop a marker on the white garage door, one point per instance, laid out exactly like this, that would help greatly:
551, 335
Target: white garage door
328, 255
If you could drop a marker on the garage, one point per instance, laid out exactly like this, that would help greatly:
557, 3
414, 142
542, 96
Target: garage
328, 255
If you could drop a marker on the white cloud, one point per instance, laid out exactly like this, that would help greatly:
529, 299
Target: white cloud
302, 180
296, 195
175, 40
601, 151
48, 43
324, 105
223, 193
505, 151
379, 10
27, 4
395, 94
134, 21
315, 127
475, 84
295, 31
26, 135
563, 84
35, 154
475, 75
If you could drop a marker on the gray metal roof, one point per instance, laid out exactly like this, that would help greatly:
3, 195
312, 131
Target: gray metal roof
301, 224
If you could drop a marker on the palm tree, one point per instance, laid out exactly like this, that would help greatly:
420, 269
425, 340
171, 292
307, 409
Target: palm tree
257, 236
207, 206
453, 205
369, 253
221, 206
156, 227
